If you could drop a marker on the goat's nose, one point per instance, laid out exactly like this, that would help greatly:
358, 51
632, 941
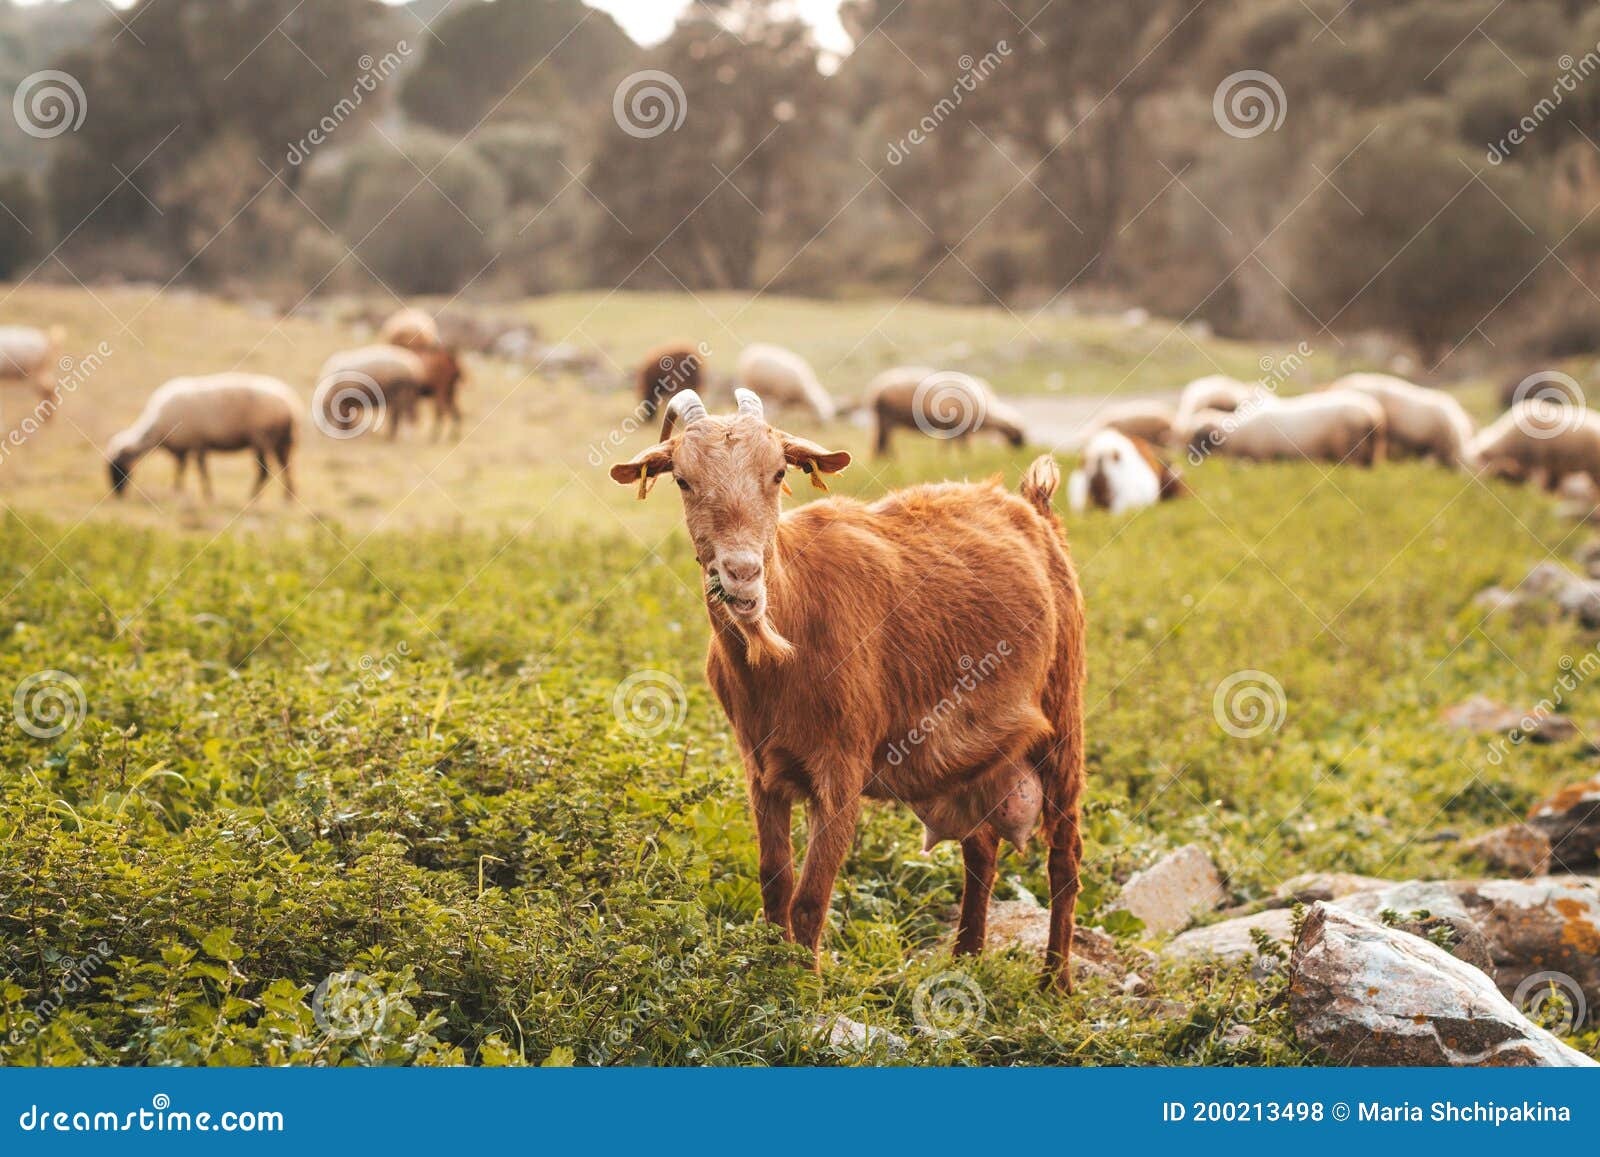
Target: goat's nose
740, 567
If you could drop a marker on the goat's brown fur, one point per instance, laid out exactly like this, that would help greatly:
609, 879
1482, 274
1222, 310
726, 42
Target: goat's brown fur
886, 608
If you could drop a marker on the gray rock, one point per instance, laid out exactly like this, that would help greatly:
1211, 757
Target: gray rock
1483, 715
1570, 820
840, 1032
1458, 936
1231, 939
1363, 994
1170, 893
1026, 923
1517, 848
1546, 924
1327, 886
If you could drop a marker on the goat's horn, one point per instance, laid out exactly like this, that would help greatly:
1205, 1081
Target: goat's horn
749, 403
685, 405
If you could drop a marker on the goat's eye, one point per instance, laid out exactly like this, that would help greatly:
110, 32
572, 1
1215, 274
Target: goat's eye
682, 485
777, 479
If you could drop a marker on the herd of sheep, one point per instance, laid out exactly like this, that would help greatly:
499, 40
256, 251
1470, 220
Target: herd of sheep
1359, 419
357, 389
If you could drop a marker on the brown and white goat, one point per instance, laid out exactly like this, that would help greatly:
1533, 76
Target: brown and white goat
927, 648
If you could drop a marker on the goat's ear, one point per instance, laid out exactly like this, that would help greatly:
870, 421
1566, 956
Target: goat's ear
644, 468
813, 459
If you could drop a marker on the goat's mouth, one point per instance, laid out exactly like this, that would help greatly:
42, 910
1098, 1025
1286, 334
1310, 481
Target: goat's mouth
742, 606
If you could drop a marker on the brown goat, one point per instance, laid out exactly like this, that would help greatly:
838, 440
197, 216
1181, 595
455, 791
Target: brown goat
845, 649
666, 371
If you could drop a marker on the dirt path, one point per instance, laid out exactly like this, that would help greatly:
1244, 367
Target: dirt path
1064, 422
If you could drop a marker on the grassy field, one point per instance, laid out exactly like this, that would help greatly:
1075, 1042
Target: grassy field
404, 734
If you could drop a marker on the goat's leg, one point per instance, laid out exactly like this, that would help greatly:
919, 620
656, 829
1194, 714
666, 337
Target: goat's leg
182, 459
979, 852
772, 815
833, 826
1062, 831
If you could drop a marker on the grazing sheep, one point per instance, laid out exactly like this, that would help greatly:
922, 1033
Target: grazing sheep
1328, 426
1540, 440
1150, 421
926, 648
1422, 422
442, 378
29, 355
219, 413
786, 378
1216, 392
666, 370
940, 404
377, 383
1122, 473
411, 329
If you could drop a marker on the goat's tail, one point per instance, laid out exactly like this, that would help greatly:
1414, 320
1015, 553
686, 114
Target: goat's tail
1039, 484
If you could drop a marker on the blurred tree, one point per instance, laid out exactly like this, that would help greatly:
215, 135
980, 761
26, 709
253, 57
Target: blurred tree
260, 74
22, 224
415, 233
692, 201
514, 60
1415, 237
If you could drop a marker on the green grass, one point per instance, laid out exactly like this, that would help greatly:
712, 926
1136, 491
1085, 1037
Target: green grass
378, 733
297, 761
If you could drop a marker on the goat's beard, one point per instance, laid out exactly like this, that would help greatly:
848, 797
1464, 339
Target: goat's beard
762, 641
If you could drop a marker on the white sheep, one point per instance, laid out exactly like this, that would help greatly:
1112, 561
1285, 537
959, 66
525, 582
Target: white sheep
218, 413
363, 388
411, 329
1327, 426
1215, 392
941, 404
1540, 439
1122, 473
28, 355
1422, 422
785, 377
